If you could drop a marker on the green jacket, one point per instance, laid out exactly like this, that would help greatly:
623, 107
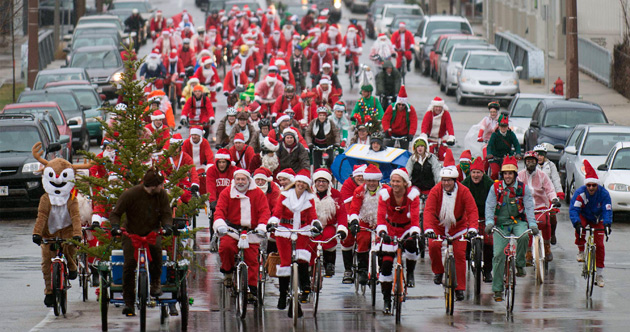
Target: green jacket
480, 192
392, 81
370, 102
500, 146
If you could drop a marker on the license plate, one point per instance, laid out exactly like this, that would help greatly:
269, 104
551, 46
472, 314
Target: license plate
4, 191
490, 92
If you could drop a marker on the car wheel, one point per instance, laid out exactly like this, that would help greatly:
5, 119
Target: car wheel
423, 68
442, 87
570, 192
86, 142
449, 92
438, 77
458, 96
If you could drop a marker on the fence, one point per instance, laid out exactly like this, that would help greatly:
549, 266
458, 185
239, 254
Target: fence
595, 60
523, 53
46, 51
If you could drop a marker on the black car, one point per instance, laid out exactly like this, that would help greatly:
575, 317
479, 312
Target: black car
554, 119
103, 64
72, 109
20, 187
61, 74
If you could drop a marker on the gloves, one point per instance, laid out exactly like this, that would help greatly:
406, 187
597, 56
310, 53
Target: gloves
271, 226
556, 203
479, 139
409, 138
95, 225
430, 234
471, 234
37, 239
213, 205
317, 227
77, 238
167, 230
489, 156
386, 238
222, 230
182, 100
578, 228
560, 195
608, 229
183, 121
342, 234
354, 227
116, 230
489, 228
534, 229
343, 144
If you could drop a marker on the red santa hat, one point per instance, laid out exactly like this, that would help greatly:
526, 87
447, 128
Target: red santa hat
236, 64
325, 79
372, 173
155, 51
158, 12
176, 138
333, 28
284, 68
449, 170
437, 101
212, 28
259, 10
352, 28
223, 154
304, 176
254, 107
477, 165
322, 19
402, 24
402, 172
591, 175
246, 8
325, 12
465, 156
263, 173
402, 95
166, 32
271, 78
290, 131
239, 137
222, 12
240, 14
382, 36
206, 60
286, 173
281, 118
322, 173
271, 144
157, 115
358, 170
173, 56
196, 130
314, 30
243, 172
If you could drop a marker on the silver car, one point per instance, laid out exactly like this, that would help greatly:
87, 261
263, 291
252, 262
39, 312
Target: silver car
488, 75
521, 109
448, 70
615, 176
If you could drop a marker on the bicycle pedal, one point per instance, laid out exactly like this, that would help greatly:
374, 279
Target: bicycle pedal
151, 304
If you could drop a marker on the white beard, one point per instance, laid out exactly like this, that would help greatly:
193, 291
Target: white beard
287, 33
270, 162
109, 155
447, 218
208, 73
369, 208
166, 45
351, 36
326, 209
152, 65
264, 187
332, 35
325, 94
276, 38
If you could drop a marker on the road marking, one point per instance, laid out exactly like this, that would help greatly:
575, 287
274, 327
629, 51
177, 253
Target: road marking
44, 323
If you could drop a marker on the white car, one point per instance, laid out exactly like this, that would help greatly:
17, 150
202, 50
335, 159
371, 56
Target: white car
614, 175
488, 75
521, 109
441, 22
391, 10
448, 81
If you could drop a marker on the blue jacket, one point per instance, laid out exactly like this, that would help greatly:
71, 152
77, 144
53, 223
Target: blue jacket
593, 207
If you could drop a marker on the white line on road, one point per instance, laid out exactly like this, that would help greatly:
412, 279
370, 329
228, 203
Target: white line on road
44, 323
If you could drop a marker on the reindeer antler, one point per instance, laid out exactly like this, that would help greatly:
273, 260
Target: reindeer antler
82, 166
38, 152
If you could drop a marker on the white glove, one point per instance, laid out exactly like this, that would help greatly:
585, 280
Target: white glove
222, 230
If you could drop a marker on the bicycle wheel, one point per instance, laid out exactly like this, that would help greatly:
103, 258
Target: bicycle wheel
373, 278
295, 290
510, 285
590, 279
351, 74
57, 288
85, 276
477, 258
262, 278
449, 285
421, 246
143, 294
163, 313
103, 298
398, 293
184, 304
316, 284
539, 257
241, 284
355, 271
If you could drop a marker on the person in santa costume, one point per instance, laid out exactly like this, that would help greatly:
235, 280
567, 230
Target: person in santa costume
332, 214
307, 109
218, 176
382, 50
264, 181
243, 127
174, 70
314, 35
190, 183
186, 54
240, 152
199, 149
330, 74
158, 101
165, 42
187, 32
198, 110
209, 77
308, 21
238, 25
286, 75
198, 40
268, 91
437, 127
400, 120
489, 124
325, 93
317, 60
157, 24
285, 177
234, 78
275, 43
351, 184
246, 59
153, 68
214, 40
450, 210
323, 134
333, 39
352, 48
403, 41
157, 126
267, 157
270, 23
463, 168
502, 143
240, 208
291, 153
288, 100
423, 166
213, 19
295, 210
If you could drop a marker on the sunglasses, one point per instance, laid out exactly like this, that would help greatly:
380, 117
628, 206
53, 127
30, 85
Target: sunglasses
591, 186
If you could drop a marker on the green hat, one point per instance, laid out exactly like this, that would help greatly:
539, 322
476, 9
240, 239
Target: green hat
249, 93
367, 87
503, 120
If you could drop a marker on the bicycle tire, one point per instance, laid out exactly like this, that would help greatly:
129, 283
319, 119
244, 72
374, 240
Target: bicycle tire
184, 304
373, 279
398, 293
316, 284
295, 290
355, 271
56, 287
421, 246
84, 280
351, 74
538, 251
103, 298
241, 282
510, 286
262, 278
449, 285
590, 281
477, 261
143, 294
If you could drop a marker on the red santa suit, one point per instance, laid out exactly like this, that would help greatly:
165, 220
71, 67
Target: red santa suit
402, 41
237, 26
437, 127
201, 154
331, 213
212, 22
275, 43
216, 180
213, 39
166, 133
364, 207
156, 25
333, 39
100, 209
271, 189
306, 113
242, 158
329, 97
241, 211
209, 77
187, 33
247, 62
283, 103
187, 58
352, 46
316, 33
349, 186
269, 25
173, 165
267, 91
232, 80
165, 43
317, 61
403, 123
198, 111
453, 215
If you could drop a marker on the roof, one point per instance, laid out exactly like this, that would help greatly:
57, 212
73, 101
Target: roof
474, 47
67, 70
570, 103
31, 105
402, 5
607, 128
96, 48
98, 17
446, 18
69, 82
400, 16
621, 145
96, 25
488, 53
123, 1
539, 95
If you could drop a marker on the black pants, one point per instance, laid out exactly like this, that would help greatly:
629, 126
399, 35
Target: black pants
318, 158
404, 143
129, 267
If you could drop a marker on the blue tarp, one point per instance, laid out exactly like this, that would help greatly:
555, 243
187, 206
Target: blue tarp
386, 161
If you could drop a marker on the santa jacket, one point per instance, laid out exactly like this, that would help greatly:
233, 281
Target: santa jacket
282, 104
164, 136
198, 111
186, 57
242, 158
402, 124
266, 94
354, 45
201, 153
293, 213
540, 185
315, 62
100, 172
333, 96
157, 25
247, 63
334, 44
272, 194
331, 210
175, 162
398, 220
306, 112
173, 67
208, 81
273, 47
367, 213
465, 211
217, 181
230, 84
430, 122
347, 192
237, 210
409, 41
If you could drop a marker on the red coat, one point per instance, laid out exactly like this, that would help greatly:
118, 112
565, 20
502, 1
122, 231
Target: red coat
307, 23
333, 96
305, 113
175, 67
100, 172
247, 63
399, 220
334, 44
234, 31
315, 62
282, 103
409, 41
249, 210
267, 95
157, 25
175, 162
187, 58
273, 194
228, 83
354, 46
209, 81
282, 211
242, 159
217, 181
198, 111
212, 22
279, 137
200, 153
357, 203
400, 126
465, 211
273, 47
164, 137
446, 125
269, 26
347, 191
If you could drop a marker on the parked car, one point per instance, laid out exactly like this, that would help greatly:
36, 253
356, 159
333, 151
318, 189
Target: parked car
521, 109
334, 6
67, 14
423, 51
44, 107
391, 10
614, 175
441, 22
93, 28
104, 65
553, 120
412, 22
72, 109
104, 18
438, 48
358, 6
88, 98
93, 39
448, 82
442, 54
374, 15
593, 143
20, 186
61, 74
487, 75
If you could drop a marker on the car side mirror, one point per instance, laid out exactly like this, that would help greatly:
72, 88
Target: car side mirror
533, 123
64, 139
559, 147
85, 108
67, 50
602, 167
72, 122
53, 147
103, 97
570, 150
458, 65
519, 68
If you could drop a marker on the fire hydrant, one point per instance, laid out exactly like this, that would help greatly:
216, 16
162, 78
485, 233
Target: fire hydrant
558, 87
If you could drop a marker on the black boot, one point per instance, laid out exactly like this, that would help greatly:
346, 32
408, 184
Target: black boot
554, 223
347, 266
49, 300
253, 295
362, 262
95, 279
411, 267
284, 290
330, 258
290, 313
386, 289
305, 281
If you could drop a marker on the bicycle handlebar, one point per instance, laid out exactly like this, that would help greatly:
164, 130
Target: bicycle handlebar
316, 148
511, 236
325, 241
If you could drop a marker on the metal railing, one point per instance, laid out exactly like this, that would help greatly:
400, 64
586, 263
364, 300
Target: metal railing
595, 60
523, 53
46, 51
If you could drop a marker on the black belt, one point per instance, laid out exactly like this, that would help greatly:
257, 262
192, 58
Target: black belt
237, 227
286, 221
403, 225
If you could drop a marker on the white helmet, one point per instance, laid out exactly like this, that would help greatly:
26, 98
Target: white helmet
540, 148
121, 107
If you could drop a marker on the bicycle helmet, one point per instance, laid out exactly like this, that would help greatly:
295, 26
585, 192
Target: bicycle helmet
121, 107
231, 111
530, 154
289, 88
495, 105
353, 21
264, 123
540, 148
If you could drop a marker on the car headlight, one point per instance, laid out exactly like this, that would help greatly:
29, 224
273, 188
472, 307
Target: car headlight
549, 146
117, 77
468, 80
583, 169
510, 82
78, 119
517, 129
618, 187
31, 167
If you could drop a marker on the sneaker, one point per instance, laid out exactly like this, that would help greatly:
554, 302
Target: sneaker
156, 289
580, 256
172, 309
303, 297
330, 270
498, 296
487, 277
49, 300
363, 277
72, 275
282, 302
347, 277
251, 298
529, 259
437, 278
227, 280
128, 311
520, 272
411, 282
600, 280
459, 295
387, 306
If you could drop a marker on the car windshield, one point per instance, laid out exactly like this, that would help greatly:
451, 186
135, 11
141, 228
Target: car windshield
95, 30
569, 118
87, 98
43, 79
52, 111
622, 159
599, 144
489, 62
65, 101
18, 138
92, 40
435, 25
524, 107
452, 42
411, 22
433, 38
216, 5
459, 54
96, 59
101, 20
393, 11
141, 6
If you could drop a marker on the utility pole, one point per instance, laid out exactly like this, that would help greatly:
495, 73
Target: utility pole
56, 24
33, 41
433, 7
490, 24
572, 83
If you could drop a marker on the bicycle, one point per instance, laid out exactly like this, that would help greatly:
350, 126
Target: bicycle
475, 262
403, 67
538, 249
373, 266
422, 241
59, 275
450, 273
589, 267
399, 284
386, 101
325, 155
83, 266
396, 140
509, 273
316, 278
